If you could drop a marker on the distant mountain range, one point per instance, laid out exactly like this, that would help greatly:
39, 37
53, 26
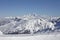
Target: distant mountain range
29, 24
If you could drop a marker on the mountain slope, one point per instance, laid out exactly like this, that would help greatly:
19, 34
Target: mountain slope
28, 24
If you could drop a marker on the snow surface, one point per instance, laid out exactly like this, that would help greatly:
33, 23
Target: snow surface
37, 37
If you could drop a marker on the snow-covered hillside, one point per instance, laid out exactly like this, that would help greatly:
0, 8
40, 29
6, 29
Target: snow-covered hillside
29, 24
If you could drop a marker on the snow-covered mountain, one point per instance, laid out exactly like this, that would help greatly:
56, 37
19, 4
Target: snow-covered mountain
29, 24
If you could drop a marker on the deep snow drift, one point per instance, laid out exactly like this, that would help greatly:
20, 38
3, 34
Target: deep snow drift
29, 24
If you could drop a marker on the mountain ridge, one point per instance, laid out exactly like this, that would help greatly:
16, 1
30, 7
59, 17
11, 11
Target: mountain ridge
28, 24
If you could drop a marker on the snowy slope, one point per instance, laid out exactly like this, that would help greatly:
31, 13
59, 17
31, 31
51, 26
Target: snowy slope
29, 24
37, 37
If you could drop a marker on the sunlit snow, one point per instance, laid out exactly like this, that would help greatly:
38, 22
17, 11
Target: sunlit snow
29, 24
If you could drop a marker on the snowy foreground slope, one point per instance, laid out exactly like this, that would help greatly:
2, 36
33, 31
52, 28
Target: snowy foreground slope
37, 37
29, 24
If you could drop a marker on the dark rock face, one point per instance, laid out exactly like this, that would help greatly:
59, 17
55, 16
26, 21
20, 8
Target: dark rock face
26, 32
58, 23
17, 19
19, 32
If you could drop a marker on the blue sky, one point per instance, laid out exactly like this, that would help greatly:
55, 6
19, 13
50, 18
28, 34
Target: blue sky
23, 7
